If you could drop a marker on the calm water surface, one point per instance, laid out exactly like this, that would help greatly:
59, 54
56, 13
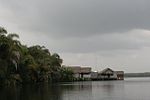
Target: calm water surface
129, 89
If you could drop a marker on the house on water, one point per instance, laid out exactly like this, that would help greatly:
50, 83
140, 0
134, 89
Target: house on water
107, 74
86, 73
81, 72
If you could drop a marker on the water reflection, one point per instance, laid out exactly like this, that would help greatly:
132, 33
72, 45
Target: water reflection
40, 92
32, 92
79, 91
64, 91
108, 90
100, 90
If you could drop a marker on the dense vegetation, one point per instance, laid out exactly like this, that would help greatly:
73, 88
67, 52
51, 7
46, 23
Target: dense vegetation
20, 64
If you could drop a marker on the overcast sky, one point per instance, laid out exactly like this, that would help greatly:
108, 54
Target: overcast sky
95, 33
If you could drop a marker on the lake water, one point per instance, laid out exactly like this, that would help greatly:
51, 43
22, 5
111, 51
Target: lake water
129, 89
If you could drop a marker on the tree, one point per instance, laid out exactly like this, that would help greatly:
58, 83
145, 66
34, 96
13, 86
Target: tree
55, 66
28, 69
19, 63
10, 54
66, 74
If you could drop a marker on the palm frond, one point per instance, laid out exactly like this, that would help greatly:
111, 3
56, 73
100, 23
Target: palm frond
3, 31
12, 35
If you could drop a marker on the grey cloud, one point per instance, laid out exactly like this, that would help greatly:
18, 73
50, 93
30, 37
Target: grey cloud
107, 42
76, 18
112, 33
135, 61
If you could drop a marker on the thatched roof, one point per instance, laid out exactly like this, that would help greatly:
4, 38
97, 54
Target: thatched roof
75, 69
107, 71
85, 70
78, 69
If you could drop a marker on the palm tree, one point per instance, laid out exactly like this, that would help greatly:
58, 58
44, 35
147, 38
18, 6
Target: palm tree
3, 31
10, 53
14, 52
33, 62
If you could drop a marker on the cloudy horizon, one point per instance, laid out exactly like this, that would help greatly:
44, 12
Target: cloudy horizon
95, 33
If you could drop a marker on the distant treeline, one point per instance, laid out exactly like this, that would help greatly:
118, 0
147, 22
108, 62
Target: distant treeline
20, 64
146, 74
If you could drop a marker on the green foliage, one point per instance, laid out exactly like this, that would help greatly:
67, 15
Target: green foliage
66, 74
22, 64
